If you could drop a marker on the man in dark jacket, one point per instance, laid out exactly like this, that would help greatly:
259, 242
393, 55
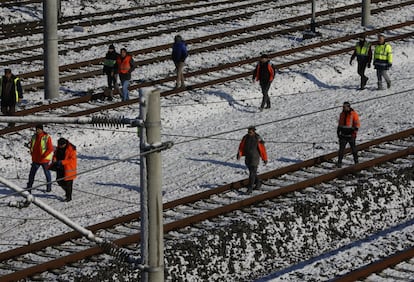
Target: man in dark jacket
363, 53
179, 54
347, 129
11, 92
110, 68
252, 147
264, 73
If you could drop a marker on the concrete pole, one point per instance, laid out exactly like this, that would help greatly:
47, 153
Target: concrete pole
366, 12
143, 95
154, 180
50, 56
313, 20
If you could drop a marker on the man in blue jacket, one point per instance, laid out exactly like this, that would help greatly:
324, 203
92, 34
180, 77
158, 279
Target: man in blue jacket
179, 54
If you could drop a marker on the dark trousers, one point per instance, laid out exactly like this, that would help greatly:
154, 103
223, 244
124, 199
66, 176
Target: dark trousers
67, 185
9, 110
253, 179
33, 170
265, 91
342, 144
361, 71
111, 81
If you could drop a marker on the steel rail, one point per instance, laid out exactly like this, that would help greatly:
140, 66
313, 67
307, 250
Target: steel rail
131, 239
376, 266
145, 35
32, 27
201, 49
89, 97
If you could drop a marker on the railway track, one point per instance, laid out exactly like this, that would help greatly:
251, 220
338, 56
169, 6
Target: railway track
67, 22
398, 266
324, 19
50, 255
147, 30
218, 74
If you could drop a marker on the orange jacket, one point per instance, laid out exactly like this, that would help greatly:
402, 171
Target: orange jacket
271, 72
260, 146
348, 124
124, 64
69, 162
41, 148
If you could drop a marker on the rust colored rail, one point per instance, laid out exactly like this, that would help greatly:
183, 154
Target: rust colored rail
21, 274
89, 97
377, 266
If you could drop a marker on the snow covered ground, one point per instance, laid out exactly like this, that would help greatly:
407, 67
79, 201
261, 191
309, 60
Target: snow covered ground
306, 102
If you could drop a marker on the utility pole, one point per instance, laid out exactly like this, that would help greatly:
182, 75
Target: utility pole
153, 206
313, 20
143, 95
50, 43
366, 12
308, 34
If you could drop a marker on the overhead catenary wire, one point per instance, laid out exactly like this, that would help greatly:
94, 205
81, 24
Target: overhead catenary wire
411, 91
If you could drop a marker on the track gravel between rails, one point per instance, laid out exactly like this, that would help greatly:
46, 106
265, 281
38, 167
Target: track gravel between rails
225, 199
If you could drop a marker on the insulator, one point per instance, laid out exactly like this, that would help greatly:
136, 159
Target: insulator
119, 254
109, 121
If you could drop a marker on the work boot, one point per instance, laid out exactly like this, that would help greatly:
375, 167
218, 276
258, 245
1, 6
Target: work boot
388, 84
249, 189
380, 86
339, 165
258, 184
363, 82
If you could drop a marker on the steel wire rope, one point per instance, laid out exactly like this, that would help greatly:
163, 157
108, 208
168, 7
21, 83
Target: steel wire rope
224, 132
295, 116
87, 171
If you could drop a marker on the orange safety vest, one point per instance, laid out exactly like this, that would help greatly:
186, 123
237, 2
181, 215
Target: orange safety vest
260, 146
124, 64
41, 148
269, 68
69, 162
348, 121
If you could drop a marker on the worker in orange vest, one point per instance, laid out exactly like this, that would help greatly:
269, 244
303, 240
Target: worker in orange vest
41, 149
126, 66
264, 73
253, 148
65, 164
348, 126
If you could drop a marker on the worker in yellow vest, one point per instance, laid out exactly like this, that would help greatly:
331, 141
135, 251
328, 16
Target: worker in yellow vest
383, 61
41, 149
363, 53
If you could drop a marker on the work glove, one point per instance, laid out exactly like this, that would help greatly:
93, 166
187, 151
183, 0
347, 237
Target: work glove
389, 65
265, 162
369, 66
350, 62
238, 156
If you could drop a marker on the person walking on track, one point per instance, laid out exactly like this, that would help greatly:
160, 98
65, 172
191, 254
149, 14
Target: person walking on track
65, 164
264, 73
253, 148
348, 126
363, 53
41, 149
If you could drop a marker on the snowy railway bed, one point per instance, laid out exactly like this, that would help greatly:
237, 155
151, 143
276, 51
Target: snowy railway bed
214, 75
158, 54
192, 218
217, 15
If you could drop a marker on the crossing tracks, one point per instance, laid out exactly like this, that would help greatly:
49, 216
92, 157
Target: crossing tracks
45, 258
